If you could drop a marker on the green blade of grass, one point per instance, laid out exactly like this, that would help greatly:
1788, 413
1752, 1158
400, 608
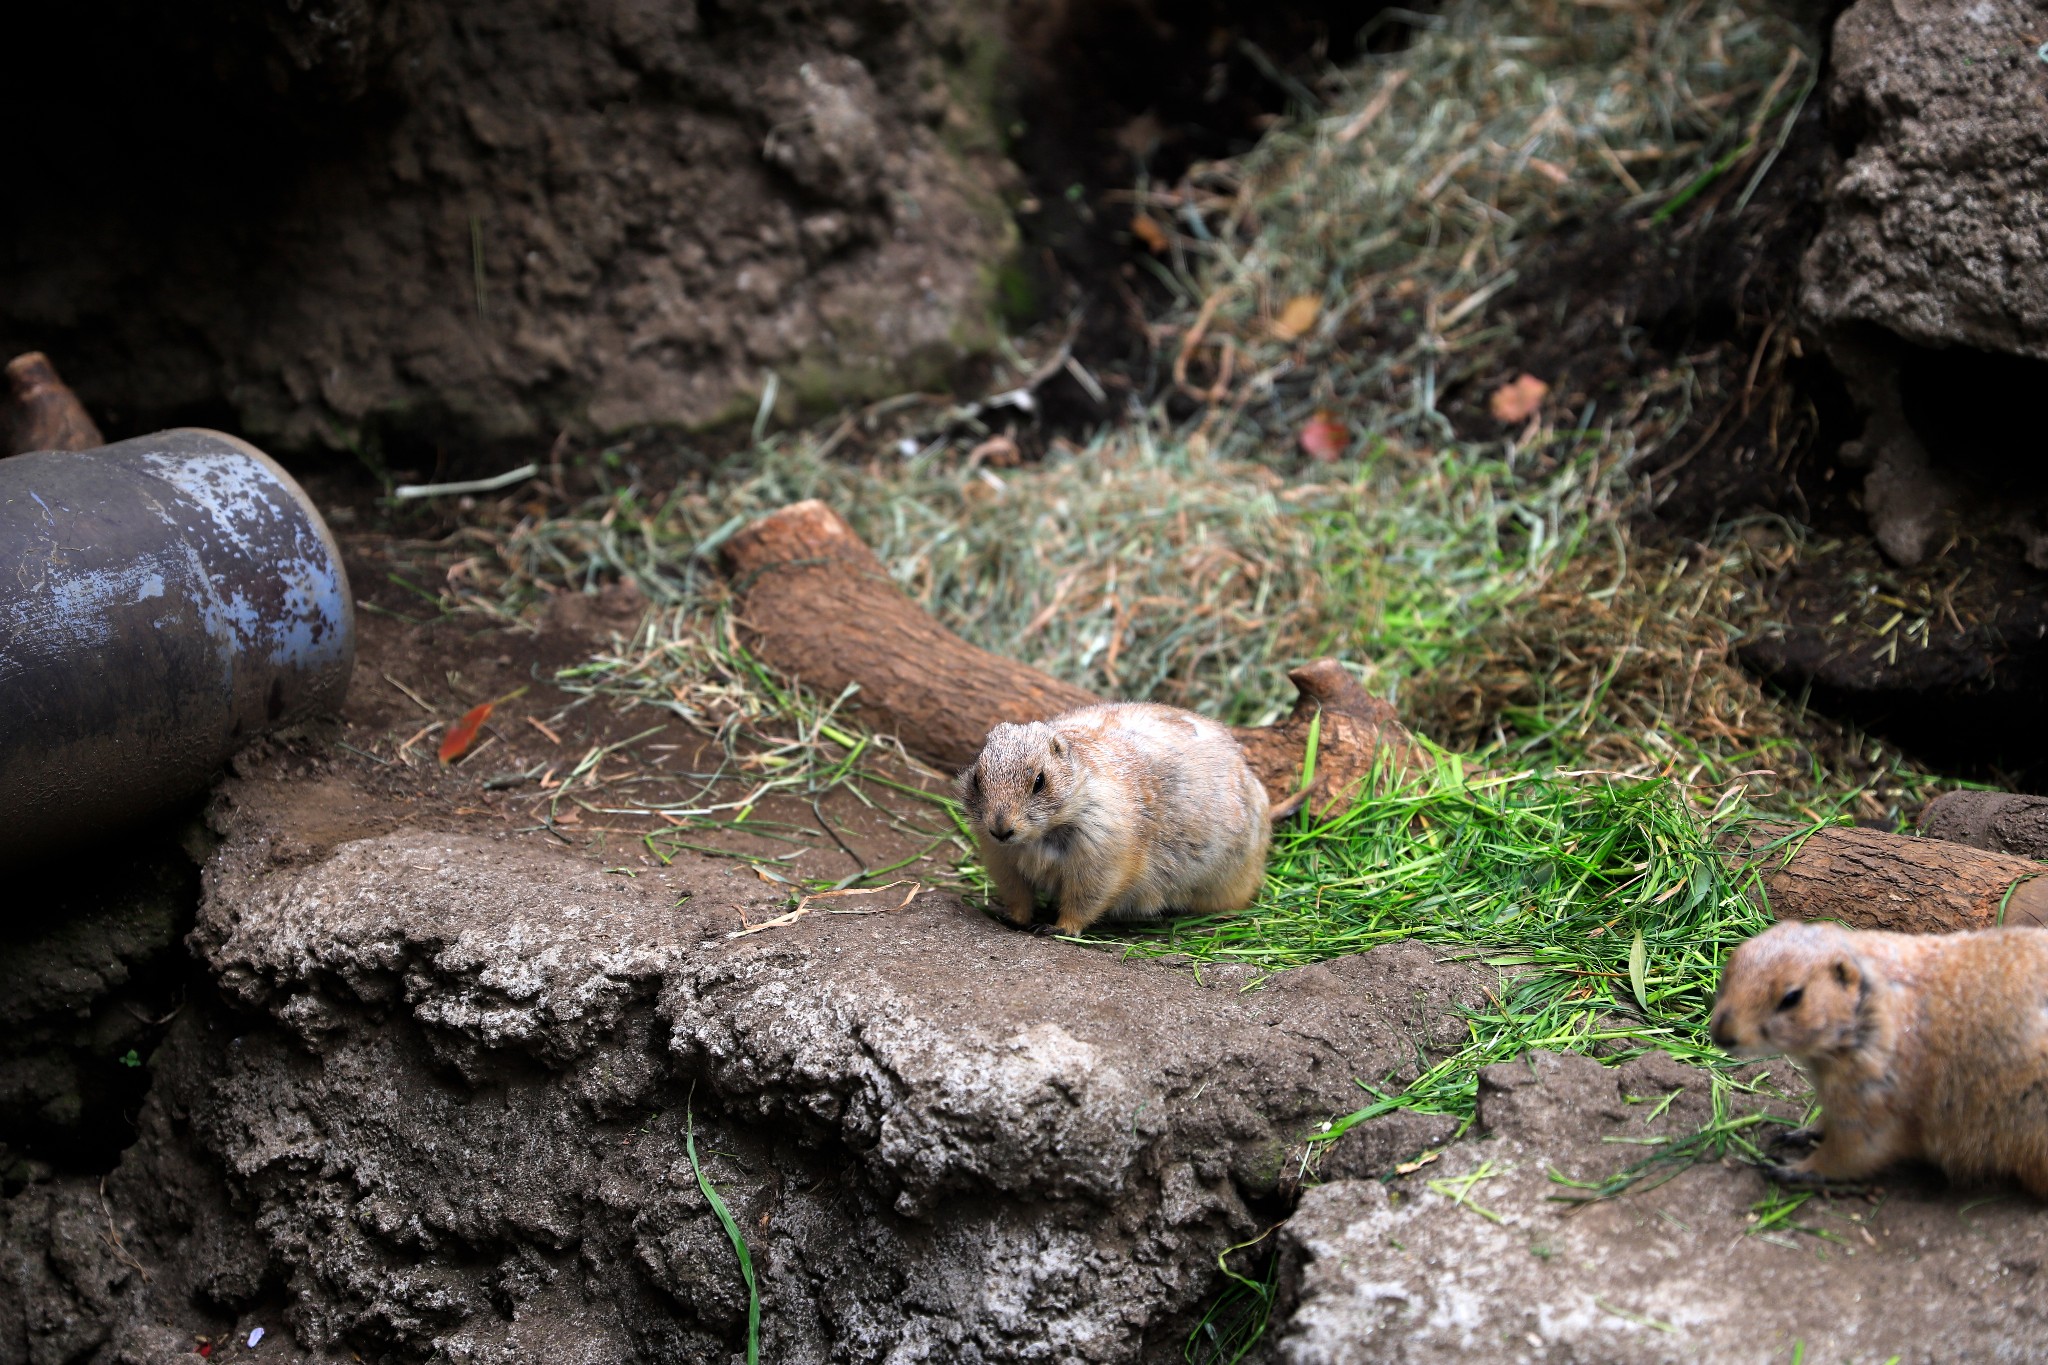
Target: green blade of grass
1638, 971
732, 1231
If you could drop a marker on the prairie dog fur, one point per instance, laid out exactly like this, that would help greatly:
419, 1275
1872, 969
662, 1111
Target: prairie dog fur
1122, 809
1920, 1046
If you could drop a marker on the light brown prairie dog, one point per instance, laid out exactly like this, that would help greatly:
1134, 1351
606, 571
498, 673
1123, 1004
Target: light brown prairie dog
1122, 809
1920, 1046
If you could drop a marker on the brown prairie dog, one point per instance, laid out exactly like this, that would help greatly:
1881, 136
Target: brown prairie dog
1123, 809
1929, 1047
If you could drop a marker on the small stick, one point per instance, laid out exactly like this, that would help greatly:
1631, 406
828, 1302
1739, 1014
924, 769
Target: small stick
490, 485
39, 412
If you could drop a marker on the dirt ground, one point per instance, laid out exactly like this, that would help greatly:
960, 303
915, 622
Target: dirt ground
1483, 1256
418, 672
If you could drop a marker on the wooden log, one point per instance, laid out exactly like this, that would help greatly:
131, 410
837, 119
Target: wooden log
817, 604
39, 412
1869, 879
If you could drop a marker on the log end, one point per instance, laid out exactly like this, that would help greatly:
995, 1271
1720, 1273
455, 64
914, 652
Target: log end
2028, 903
1327, 685
1359, 734
806, 531
2003, 822
40, 412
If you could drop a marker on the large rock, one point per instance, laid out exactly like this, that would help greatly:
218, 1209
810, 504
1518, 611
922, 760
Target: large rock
488, 220
1474, 1258
431, 1099
1937, 227
450, 1079
1937, 241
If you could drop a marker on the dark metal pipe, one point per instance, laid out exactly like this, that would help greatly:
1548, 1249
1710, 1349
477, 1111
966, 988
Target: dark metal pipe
163, 601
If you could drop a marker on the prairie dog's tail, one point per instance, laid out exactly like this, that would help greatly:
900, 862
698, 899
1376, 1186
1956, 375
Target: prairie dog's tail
1275, 814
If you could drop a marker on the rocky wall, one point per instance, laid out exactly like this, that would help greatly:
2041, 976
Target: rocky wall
484, 222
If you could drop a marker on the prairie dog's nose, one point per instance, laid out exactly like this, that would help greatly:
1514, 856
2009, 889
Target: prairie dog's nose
1720, 1031
1000, 831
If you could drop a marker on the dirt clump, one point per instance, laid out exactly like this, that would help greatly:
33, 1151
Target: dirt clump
1946, 659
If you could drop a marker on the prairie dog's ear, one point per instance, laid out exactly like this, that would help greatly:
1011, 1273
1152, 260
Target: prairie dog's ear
1847, 974
1056, 746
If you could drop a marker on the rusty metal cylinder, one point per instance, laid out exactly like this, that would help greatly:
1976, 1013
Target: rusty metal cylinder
163, 601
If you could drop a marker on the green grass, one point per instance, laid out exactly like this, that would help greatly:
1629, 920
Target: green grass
732, 1232
1605, 903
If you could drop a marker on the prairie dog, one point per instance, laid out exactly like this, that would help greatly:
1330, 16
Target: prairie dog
1920, 1046
1123, 809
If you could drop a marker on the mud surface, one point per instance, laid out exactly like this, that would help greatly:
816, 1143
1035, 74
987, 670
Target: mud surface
419, 226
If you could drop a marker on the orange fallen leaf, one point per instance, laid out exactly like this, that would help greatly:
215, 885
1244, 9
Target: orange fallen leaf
1150, 233
1297, 316
1518, 399
463, 733
1324, 437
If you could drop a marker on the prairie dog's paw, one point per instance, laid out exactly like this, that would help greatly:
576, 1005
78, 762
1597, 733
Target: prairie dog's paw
1803, 1139
1792, 1175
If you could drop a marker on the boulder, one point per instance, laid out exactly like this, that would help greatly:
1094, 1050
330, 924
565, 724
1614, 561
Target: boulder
447, 1080
1929, 281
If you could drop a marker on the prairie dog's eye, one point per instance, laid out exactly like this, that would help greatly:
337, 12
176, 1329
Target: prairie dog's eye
1791, 998
1038, 783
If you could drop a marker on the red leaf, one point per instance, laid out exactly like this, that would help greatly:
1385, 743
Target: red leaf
1150, 233
1517, 400
1325, 438
456, 742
